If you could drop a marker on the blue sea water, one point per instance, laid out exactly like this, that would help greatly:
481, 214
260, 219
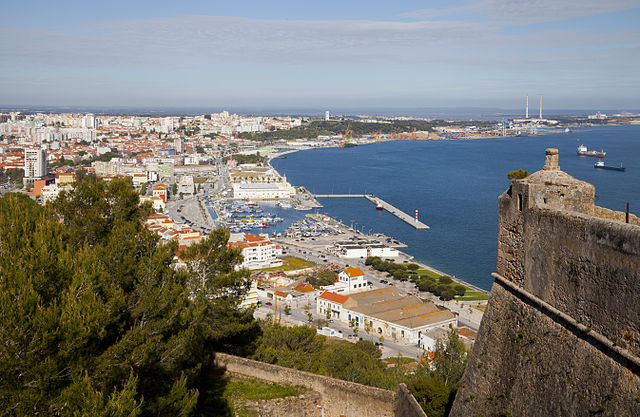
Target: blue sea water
455, 185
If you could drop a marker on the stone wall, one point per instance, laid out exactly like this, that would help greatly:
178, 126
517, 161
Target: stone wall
524, 363
304, 405
561, 333
407, 404
587, 267
339, 398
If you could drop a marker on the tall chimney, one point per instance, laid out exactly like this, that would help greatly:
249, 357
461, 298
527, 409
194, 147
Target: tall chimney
526, 113
540, 106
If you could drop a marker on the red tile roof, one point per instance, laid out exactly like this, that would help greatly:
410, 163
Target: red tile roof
336, 298
354, 272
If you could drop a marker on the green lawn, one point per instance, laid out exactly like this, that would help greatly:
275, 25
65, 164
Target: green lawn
473, 295
399, 360
427, 273
254, 390
238, 391
290, 263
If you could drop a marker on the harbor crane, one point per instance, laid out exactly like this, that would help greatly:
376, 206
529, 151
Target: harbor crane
347, 134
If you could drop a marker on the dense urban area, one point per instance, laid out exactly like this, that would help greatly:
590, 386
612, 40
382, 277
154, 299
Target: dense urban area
131, 253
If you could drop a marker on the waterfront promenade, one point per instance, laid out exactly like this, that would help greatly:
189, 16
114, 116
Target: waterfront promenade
386, 206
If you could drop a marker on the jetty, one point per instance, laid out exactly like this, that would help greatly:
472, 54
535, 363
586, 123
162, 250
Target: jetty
386, 206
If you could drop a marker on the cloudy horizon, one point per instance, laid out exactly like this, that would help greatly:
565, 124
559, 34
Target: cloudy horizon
485, 53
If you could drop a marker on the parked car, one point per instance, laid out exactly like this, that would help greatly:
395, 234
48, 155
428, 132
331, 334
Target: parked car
268, 303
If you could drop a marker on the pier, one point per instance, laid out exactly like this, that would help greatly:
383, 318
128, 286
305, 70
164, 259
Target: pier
386, 206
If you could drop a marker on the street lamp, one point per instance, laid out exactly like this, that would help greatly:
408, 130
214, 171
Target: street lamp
321, 409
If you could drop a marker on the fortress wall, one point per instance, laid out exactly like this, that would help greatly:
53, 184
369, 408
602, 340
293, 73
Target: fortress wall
561, 332
587, 267
407, 404
525, 363
339, 398
619, 216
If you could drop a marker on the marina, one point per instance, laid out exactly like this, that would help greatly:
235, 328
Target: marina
243, 216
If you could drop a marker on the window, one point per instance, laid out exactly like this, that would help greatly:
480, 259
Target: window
519, 202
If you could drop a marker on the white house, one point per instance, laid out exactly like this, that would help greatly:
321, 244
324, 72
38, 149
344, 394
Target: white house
425, 342
332, 303
350, 280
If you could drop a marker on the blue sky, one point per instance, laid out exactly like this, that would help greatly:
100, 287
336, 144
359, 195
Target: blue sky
321, 54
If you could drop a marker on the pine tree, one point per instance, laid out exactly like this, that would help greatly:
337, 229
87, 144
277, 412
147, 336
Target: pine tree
94, 317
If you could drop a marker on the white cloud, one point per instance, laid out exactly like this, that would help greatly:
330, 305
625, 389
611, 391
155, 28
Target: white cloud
201, 55
515, 12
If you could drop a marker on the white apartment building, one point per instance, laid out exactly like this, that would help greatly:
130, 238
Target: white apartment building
178, 145
35, 163
111, 168
166, 125
258, 251
89, 121
262, 191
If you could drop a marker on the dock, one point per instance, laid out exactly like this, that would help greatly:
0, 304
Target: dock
386, 206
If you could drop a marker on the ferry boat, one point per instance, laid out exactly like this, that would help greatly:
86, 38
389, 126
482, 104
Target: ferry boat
601, 165
583, 151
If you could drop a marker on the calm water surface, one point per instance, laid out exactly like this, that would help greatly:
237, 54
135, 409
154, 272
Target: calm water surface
455, 185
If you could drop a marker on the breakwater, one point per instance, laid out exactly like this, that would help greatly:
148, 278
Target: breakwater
412, 221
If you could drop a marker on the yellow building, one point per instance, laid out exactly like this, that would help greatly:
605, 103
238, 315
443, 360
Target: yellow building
65, 178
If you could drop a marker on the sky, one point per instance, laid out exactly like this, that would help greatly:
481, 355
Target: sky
321, 54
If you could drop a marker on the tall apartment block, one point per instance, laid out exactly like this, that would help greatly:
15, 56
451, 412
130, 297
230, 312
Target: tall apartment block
35, 163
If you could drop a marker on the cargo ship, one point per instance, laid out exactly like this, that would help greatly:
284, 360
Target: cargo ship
582, 151
601, 165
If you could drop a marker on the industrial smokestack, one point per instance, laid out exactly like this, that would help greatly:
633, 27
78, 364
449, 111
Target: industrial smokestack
526, 112
540, 106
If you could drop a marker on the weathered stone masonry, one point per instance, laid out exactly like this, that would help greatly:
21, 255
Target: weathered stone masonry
555, 246
339, 398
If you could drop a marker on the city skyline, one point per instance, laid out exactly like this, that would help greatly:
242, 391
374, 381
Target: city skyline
487, 53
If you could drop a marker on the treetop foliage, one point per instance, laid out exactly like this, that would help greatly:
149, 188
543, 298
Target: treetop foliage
96, 318
518, 174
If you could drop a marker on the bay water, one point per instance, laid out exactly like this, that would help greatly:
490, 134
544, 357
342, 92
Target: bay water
454, 185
